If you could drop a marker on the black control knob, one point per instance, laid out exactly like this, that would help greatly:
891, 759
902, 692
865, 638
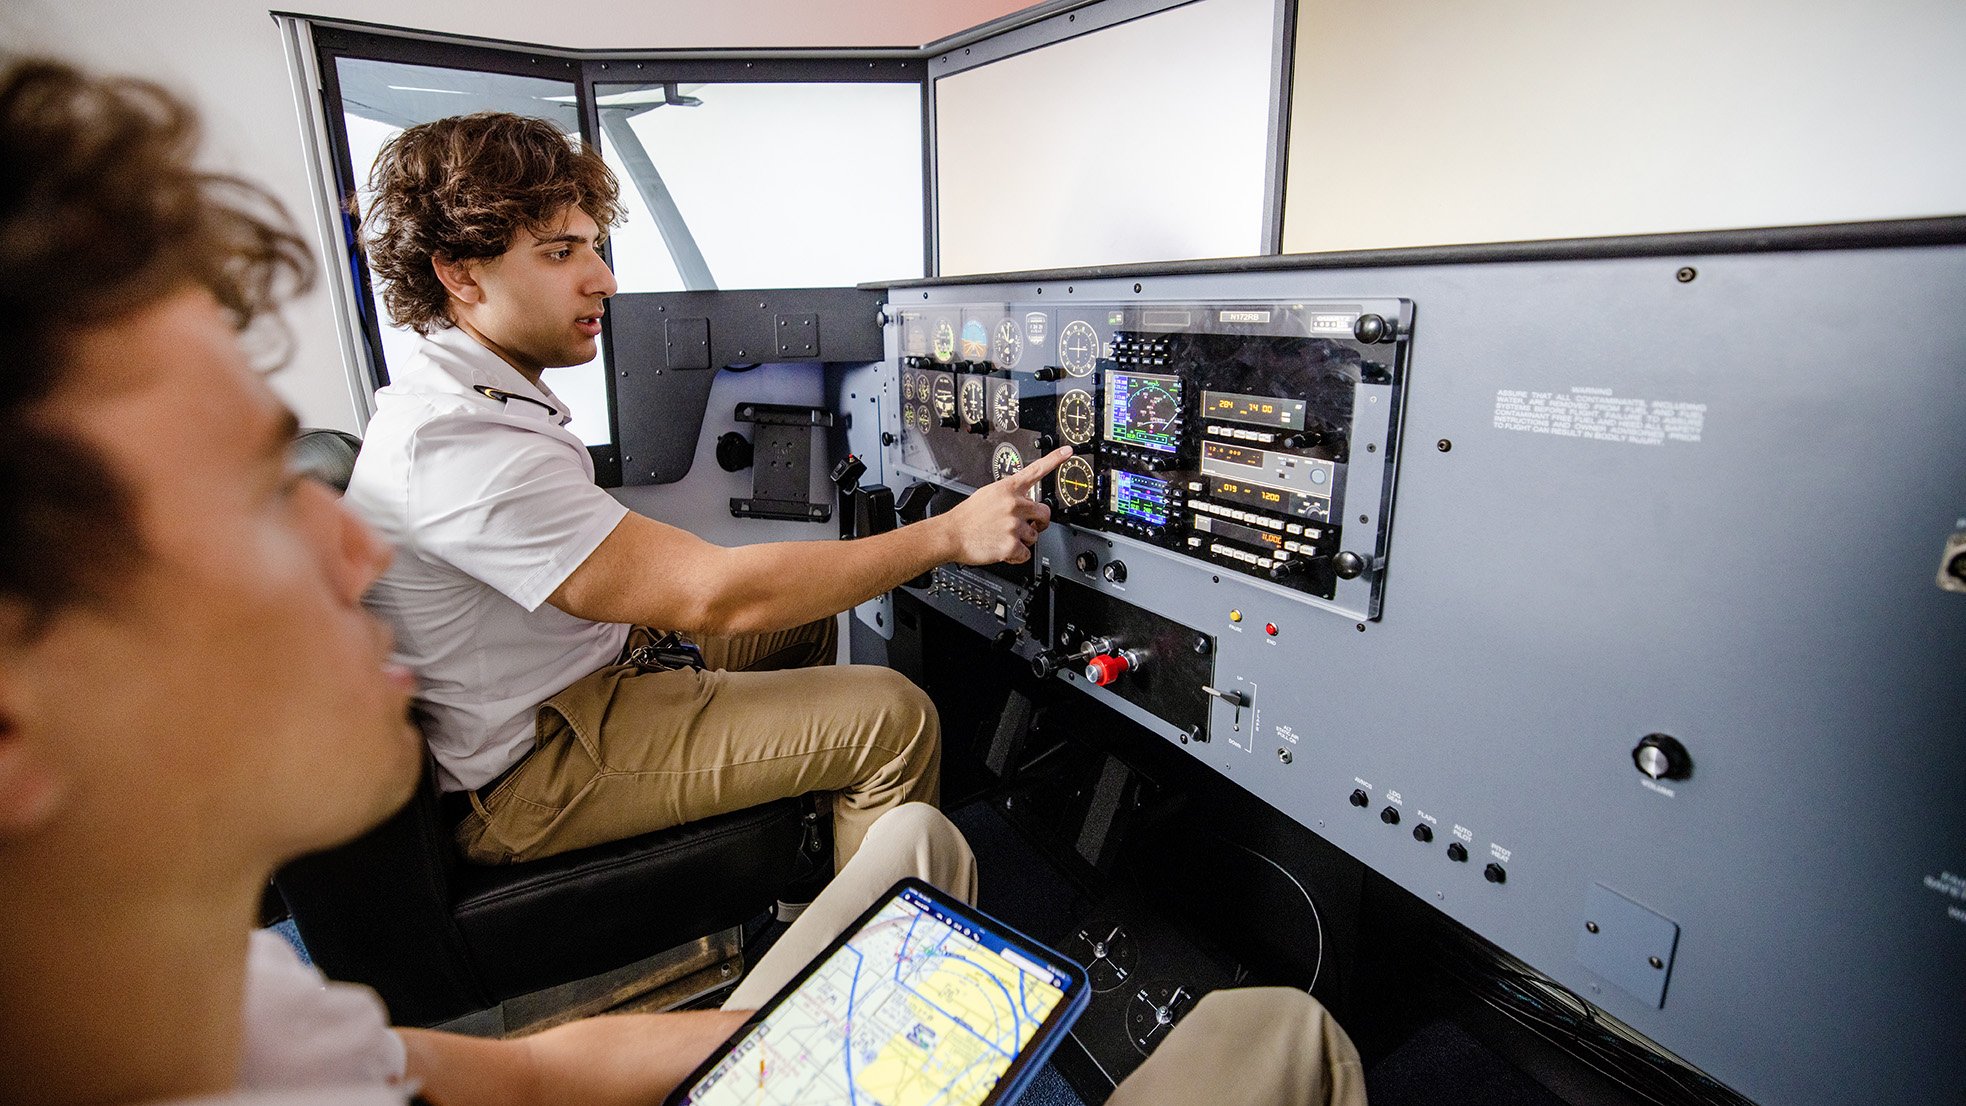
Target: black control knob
1348, 565
1390, 816
1114, 572
1046, 443
1087, 561
1372, 328
1495, 873
1662, 757
1049, 372
1048, 664
1005, 640
1423, 833
1361, 799
1285, 570
1457, 852
1301, 439
917, 362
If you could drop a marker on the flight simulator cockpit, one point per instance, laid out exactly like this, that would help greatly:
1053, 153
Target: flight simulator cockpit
1558, 638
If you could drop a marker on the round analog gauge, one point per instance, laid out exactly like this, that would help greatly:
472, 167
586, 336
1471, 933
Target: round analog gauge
971, 399
1151, 407
944, 342
914, 416
908, 388
976, 341
1008, 344
1005, 461
943, 392
1074, 482
1075, 416
1078, 347
1003, 406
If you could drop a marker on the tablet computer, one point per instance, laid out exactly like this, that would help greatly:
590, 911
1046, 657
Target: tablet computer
921, 1001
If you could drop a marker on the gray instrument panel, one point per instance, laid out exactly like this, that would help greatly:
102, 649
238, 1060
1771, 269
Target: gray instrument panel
1644, 520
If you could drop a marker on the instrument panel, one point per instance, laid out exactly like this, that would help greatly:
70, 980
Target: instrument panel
1259, 438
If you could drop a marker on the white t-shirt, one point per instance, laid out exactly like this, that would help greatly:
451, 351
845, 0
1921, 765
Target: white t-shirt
310, 1042
491, 504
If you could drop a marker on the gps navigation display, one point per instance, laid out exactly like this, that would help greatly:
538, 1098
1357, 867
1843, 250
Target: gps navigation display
923, 1004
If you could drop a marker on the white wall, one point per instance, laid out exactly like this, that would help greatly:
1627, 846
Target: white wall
1416, 122
225, 55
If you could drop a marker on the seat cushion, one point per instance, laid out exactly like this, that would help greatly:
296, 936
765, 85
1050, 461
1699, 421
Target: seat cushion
533, 925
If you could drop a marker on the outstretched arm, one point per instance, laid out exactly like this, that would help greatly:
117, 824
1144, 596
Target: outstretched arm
647, 572
622, 1058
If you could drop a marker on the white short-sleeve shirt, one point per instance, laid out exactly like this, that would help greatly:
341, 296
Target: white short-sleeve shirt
470, 472
310, 1042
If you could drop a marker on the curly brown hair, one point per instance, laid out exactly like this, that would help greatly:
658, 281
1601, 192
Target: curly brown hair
102, 214
462, 188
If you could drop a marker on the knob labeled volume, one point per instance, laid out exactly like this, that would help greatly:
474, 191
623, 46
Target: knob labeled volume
1115, 571
1662, 757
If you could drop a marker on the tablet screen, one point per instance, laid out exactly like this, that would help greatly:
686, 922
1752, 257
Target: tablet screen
922, 1004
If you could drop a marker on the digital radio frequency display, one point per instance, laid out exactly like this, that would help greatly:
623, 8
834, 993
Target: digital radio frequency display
1141, 498
1144, 410
1287, 414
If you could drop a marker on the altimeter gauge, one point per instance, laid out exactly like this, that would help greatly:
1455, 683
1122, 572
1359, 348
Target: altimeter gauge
1008, 344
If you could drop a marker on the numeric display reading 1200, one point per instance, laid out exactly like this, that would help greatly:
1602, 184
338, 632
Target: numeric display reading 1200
1141, 498
1287, 414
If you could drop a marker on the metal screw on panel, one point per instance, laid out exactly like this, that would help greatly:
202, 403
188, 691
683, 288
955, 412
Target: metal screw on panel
1372, 447
1443, 445
1136, 287
1686, 274
1283, 755
1592, 926
1656, 962
1202, 647
1361, 627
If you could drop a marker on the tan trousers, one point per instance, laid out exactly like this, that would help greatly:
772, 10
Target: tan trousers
1255, 1046
626, 751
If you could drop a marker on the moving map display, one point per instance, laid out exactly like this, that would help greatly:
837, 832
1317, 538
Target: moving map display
920, 1006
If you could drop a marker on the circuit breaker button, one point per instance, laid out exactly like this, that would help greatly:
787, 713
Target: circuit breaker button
1361, 799
1457, 852
1495, 873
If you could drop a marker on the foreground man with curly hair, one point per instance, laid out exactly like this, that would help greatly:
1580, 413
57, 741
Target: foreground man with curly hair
539, 611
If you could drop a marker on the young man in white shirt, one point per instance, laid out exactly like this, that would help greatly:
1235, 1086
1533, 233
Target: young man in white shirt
191, 693
521, 592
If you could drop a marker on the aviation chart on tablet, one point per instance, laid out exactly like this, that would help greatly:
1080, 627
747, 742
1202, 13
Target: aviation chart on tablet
915, 1010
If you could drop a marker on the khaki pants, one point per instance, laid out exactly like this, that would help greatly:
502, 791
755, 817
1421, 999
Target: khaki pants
1255, 1046
626, 751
